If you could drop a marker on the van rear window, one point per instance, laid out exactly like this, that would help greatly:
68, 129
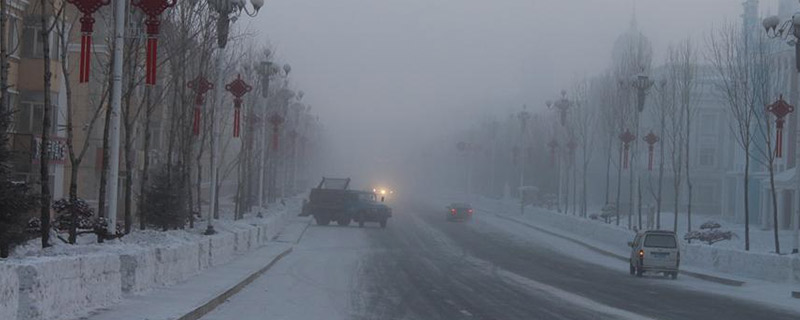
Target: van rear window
659, 241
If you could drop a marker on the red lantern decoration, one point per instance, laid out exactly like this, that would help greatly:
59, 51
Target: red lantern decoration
626, 137
780, 109
238, 88
275, 120
200, 86
651, 139
553, 146
153, 9
87, 7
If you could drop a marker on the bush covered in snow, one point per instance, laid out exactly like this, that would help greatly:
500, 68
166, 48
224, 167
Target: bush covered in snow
709, 233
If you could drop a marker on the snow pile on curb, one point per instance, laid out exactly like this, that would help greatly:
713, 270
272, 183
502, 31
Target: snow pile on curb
9, 292
69, 281
755, 265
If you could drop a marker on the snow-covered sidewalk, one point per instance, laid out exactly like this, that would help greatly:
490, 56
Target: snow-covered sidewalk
716, 261
195, 297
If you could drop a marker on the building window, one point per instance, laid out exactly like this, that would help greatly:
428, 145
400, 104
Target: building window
706, 156
13, 35
29, 116
32, 40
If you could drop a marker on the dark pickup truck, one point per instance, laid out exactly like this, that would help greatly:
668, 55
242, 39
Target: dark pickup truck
331, 200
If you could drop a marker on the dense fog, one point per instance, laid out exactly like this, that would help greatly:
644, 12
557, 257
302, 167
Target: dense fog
393, 77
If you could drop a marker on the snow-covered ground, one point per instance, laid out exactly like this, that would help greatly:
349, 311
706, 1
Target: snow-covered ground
761, 239
781, 272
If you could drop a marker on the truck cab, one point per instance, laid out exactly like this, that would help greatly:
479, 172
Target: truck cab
331, 200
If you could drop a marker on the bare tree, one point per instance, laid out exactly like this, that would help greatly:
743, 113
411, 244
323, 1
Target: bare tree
685, 67
736, 60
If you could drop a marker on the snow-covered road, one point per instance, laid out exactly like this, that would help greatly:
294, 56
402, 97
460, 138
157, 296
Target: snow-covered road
422, 267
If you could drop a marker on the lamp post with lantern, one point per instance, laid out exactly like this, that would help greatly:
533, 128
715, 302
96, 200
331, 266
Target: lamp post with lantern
226, 11
789, 30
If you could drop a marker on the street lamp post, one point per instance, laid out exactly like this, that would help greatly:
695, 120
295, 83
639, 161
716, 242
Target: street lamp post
523, 117
785, 30
225, 9
265, 71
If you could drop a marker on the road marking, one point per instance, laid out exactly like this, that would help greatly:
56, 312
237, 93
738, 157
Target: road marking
466, 313
555, 292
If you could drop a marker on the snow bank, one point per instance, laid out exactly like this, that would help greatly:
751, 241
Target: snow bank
749, 264
756, 265
69, 281
55, 287
9, 292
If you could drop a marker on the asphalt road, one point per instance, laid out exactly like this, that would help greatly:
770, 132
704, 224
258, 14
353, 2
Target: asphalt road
423, 267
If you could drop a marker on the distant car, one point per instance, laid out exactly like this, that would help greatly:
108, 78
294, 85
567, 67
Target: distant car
655, 251
459, 212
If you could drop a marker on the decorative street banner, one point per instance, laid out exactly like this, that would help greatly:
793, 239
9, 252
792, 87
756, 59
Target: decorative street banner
56, 150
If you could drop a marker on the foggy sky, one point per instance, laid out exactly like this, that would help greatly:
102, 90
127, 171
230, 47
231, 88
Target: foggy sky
384, 74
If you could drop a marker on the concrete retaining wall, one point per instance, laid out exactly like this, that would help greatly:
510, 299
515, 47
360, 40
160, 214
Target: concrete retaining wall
53, 288
50, 288
9, 292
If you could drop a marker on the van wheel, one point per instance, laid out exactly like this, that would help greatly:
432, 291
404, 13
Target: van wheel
674, 275
633, 269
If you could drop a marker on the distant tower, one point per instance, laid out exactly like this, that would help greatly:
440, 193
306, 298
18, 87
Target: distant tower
750, 21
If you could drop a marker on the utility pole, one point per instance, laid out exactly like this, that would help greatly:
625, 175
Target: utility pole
114, 115
523, 117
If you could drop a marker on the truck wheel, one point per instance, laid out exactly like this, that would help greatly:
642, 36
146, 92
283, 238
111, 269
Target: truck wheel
383, 223
343, 221
323, 221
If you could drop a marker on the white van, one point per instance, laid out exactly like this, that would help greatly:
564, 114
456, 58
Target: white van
655, 251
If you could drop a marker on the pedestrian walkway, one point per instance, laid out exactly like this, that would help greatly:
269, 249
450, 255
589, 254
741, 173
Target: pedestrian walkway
195, 297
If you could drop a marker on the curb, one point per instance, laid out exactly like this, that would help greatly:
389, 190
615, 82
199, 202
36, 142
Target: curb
207, 307
701, 276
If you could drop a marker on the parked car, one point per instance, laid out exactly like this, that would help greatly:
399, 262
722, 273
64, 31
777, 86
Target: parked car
655, 251
459, 212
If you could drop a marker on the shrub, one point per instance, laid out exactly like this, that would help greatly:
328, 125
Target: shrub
709, 233
165, 204
16, 199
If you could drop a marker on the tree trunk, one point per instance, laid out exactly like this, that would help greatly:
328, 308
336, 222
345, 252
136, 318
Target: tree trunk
44, 162
774, 196
4, 101
608, 168
146, 163
619, 183
660, 172
747, 197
